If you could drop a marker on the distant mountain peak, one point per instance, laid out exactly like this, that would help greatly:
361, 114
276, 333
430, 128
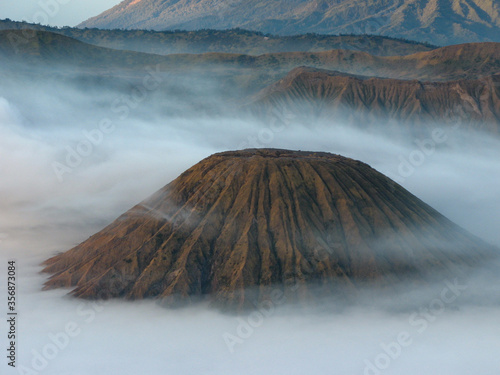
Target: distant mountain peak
441, 22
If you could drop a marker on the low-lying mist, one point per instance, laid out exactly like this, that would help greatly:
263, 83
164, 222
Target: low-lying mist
72, 160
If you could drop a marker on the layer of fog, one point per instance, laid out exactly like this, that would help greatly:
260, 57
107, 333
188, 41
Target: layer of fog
141, 337
43, 213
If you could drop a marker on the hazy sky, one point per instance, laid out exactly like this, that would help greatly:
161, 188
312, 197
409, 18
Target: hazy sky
58, 12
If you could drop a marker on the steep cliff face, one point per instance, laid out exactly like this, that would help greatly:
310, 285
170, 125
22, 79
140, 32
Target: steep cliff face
240, 223
369, 102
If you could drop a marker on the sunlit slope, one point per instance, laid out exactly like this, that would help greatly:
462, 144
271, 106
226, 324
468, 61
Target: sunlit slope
440, 22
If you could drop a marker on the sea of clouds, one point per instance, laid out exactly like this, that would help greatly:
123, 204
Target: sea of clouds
71, 162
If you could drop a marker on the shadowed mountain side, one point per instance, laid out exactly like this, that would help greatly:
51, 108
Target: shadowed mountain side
461, 61
364, 101
240, 223
227, 41
253, 72
52, 50
440, 22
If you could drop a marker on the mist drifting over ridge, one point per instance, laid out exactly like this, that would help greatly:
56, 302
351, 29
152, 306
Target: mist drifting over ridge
43, 214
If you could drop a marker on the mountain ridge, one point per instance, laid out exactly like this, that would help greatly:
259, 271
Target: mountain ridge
230, 41
473, 60
366, 101
441, 22
470, 96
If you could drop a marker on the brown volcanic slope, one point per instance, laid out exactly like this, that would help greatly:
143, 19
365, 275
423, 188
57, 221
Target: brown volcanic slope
262, 218
366, 101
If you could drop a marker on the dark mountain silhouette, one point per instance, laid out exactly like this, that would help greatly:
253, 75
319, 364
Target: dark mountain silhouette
441, 22
239, 224
455, 62
227, 41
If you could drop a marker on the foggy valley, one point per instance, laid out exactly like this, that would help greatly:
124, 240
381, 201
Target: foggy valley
43, 215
